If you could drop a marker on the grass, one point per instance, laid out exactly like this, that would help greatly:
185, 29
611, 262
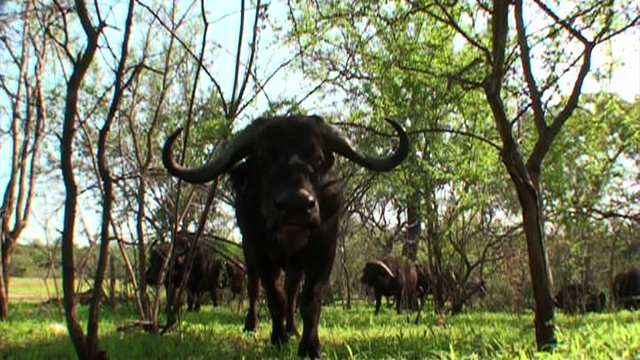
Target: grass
215, 333
36, 288
33, 288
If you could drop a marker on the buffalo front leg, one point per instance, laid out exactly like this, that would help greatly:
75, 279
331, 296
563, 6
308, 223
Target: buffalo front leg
253, 290
399, 300
213, 292
310, 305
378, 302
191, 301
277, 303
292, 288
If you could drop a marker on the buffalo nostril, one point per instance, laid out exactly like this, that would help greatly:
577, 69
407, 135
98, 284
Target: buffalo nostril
310, 202
295, 200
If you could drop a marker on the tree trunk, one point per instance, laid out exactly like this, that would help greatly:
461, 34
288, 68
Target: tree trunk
142, 247
83, 350
530, 200
112, 281
434, 254
7, 246
410, 246
4, 302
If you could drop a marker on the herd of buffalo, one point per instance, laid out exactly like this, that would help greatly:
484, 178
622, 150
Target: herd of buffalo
287, 204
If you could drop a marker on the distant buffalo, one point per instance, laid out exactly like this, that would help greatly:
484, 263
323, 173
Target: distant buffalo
233, 278
204, 275
423, 283
626, 289
392, 276
577, 298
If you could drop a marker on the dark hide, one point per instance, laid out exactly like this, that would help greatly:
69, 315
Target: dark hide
233, 279
576, 298
287, 207
626, 289
392, 276
423, 284
205, 270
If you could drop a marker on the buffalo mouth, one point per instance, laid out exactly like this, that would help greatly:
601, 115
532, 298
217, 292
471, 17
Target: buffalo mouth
293, 235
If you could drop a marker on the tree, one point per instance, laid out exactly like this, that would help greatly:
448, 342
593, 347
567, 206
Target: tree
27, 60
602, 24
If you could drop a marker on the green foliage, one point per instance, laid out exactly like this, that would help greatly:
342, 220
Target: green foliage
590, 171
215, 333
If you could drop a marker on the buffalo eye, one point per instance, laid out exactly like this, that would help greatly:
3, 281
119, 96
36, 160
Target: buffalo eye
318, 161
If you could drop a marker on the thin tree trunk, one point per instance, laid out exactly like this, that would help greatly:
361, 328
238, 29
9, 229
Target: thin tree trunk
533, 221
410, 246
142, 248
4, 302
7, 246
71, 187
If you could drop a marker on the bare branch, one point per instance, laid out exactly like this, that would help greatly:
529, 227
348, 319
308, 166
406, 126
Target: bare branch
525, 58
564, 24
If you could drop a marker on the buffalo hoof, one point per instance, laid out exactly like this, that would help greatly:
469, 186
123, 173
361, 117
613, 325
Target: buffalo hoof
310, 349
249, 324
292, 330
279, 338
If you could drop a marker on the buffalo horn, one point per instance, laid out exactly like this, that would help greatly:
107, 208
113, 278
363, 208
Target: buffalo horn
384, 266
340, 144
235, 151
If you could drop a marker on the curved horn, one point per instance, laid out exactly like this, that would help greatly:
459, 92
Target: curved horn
235, 151
340, 144
384, 266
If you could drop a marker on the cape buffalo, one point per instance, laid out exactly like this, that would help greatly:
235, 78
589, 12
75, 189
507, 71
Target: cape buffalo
423, 283
287, 207
204, 275
626, 289
233, 279
392, 276
577, 298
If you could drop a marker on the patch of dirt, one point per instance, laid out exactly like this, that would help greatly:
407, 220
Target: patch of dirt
27, 297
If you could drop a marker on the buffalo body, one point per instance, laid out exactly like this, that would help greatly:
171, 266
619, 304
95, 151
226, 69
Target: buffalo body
395, 277
578, 298
287, 206
626, 289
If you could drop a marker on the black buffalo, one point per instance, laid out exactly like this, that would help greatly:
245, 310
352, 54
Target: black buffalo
287, 207
205, 270
578, 298
626, 289
423, 283
233, 279
393, 276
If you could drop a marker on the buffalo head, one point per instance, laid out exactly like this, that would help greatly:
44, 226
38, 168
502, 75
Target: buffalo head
292, 155
158, 256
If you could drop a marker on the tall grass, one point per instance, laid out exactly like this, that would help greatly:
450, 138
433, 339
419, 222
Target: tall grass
215, 333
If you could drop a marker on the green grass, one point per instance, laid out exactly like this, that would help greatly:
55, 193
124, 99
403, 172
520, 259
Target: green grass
215, 333
33, 287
